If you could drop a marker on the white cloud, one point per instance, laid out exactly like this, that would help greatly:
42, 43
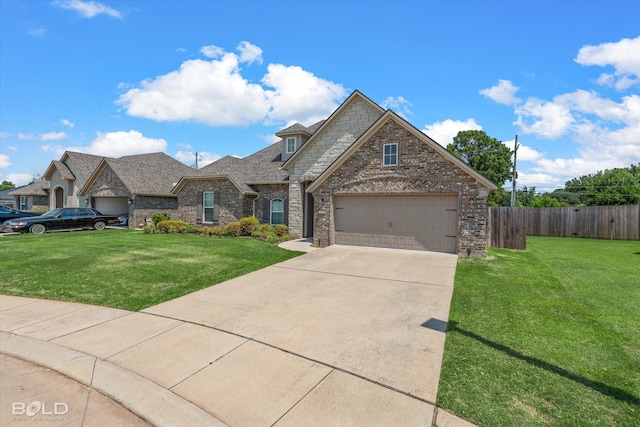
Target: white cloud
214, 92
88, 9
623, 55
53, 136
36, 32
5, 134
26, 136
5, 161
397, 104
502, 93
189, 158
12, 148
528, 154
299, 95
443, 132
543, 182
19, 179
545, 119
117, 144
67, 123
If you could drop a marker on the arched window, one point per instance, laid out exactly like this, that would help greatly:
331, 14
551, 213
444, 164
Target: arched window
277, 212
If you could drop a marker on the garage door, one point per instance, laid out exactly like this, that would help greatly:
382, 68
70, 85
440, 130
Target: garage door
111, 205
402, 222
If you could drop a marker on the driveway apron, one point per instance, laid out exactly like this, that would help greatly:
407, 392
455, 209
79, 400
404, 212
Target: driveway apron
379, 314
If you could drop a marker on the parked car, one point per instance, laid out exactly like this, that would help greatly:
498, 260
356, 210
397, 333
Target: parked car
7, 213
61, 219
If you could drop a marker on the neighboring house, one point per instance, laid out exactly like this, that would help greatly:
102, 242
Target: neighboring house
6, 198
67, 176
32, 197
137, 186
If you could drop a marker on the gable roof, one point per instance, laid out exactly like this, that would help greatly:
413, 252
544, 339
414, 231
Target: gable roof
150, 174
326, 123
83, 166
390, 115
38, 188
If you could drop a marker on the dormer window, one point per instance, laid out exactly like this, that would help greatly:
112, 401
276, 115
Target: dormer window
291, 145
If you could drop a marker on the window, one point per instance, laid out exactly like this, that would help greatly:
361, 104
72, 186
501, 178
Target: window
390, 156
277, 212
207, 206
23, 203
291, 145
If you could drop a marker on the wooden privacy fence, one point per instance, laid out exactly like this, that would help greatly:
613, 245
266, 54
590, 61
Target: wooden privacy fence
509, 226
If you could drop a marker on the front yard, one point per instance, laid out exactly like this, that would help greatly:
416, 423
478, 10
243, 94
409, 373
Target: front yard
125, 268
546, 337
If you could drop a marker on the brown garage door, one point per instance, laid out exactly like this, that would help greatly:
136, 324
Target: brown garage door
403, 222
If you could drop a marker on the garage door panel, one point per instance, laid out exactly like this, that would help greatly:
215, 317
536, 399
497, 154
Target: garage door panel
403, 222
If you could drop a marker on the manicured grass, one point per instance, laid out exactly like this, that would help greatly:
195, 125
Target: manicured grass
546, 337
125, 268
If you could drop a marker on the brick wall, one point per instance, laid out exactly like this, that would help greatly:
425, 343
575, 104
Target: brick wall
421, 169
325, 149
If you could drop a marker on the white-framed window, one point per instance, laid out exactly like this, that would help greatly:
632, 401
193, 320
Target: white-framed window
277, 211
390, 155
23, 203
207, 206
291, 145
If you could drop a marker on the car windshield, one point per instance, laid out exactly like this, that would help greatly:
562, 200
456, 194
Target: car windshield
53, 212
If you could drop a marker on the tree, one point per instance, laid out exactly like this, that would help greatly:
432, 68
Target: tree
486, 155
7, 185
545, 201
619, 186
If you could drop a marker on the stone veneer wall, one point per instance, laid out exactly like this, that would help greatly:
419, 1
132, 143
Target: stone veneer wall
326, 148
420, 170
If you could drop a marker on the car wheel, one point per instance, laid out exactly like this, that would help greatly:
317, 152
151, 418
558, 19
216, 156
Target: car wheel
99, 225
37, 228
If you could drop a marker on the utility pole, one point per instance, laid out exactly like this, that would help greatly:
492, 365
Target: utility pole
513, 179
197, 155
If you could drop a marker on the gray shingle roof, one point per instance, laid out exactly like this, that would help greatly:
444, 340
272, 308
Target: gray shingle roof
38, 188
82, 165
149, 174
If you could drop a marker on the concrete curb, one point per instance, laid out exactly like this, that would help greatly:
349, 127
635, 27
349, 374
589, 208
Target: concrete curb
143, 397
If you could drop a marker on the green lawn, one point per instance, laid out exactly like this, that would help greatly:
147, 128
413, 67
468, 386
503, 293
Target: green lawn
546, 337
125, 268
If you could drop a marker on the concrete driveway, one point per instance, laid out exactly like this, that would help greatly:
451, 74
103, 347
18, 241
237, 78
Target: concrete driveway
341, 335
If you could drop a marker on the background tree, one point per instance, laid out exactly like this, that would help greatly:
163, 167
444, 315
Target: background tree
6, 185
485, 154
619, 186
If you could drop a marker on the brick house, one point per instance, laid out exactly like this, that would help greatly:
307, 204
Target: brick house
364, 176
32, 197
136, 186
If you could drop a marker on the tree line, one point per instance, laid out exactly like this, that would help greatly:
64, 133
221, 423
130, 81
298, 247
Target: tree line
493, 159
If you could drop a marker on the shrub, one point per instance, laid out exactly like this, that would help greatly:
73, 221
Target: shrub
281, 230
158, 217
232, 229
172, 226
150, 229
248, 225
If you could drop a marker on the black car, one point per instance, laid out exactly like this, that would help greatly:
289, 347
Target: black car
7, 213
61, 219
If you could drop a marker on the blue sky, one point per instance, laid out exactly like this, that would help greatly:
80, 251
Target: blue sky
117, 77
